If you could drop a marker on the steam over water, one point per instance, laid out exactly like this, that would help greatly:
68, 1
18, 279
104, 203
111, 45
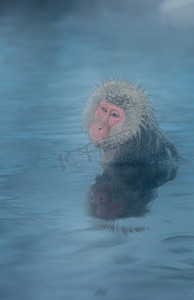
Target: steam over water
70, 229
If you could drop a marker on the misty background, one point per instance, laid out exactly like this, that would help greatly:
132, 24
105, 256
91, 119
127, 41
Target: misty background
52, 56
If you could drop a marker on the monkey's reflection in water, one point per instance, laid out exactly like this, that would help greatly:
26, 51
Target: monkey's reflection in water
126, 191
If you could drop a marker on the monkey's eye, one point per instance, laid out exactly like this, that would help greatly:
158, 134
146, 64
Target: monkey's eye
115, 115
104, 109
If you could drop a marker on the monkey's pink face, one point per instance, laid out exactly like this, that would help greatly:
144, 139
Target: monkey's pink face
107, 115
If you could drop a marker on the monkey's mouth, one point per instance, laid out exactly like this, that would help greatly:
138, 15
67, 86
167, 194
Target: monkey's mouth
97, 137
97, 140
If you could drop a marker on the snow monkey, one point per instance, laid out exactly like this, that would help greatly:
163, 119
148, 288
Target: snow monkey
120, 121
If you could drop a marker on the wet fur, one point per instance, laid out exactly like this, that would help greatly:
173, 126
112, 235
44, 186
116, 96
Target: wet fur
138, 139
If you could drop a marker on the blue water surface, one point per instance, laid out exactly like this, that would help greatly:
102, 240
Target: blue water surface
52, 247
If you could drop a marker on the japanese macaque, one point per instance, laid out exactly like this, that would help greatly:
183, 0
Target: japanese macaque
119, 120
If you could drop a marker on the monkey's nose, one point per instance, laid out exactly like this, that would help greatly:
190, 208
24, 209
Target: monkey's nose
100, 125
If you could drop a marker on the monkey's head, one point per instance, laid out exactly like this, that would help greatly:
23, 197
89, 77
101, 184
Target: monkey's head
116, 111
